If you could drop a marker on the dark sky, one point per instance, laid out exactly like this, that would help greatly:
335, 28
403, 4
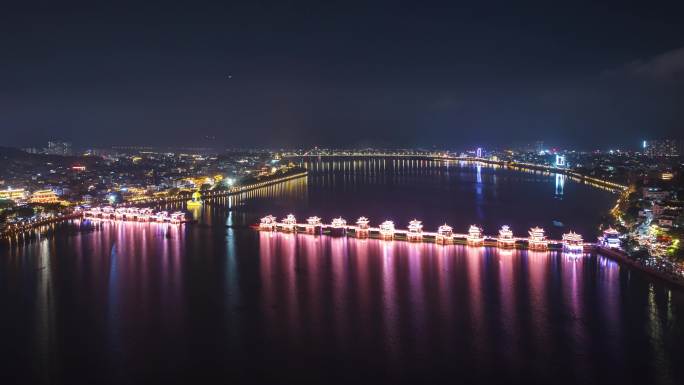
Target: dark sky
341, 73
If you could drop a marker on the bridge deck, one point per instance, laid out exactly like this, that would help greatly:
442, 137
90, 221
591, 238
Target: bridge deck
404, 232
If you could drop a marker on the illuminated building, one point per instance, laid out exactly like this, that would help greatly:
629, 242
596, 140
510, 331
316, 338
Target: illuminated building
573, 242
94, 212
132, 214
655, 193
662, 147
445, 235
537, 239
560, 161
162, 216
415, 231
159, 216
44, 196
13, 194
107, 212
610, 238
666, 176
196, 200
475, 237
313, 225
505, 238
268, 223
387, 230
362, 230
56, 147
289, 224
338, 226
144, 214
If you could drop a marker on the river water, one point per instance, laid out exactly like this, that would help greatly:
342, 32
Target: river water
218, 301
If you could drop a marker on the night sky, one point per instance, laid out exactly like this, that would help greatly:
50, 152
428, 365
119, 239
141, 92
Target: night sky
341, 74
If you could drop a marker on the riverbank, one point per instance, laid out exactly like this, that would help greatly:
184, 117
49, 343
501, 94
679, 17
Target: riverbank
507, 164
616, 187
16, 230
212, 194
19, 229
623, 258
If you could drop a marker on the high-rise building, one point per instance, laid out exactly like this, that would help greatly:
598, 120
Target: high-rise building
662, 147
56, 147
560, 160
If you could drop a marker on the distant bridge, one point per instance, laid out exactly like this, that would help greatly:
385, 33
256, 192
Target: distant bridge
443, 156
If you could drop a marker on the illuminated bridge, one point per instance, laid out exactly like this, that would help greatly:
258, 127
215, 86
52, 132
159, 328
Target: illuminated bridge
445, 156
536, 240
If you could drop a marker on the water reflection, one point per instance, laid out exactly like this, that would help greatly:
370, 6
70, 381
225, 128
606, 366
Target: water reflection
45, 311
499, 305
460, 193
560, 184
123, 300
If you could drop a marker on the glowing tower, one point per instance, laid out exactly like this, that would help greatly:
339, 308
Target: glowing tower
505, 239
313, 225
362, 230
387, 230
415, 231
537, 239
289, 224
475, 237
338, 226
573, 242
445, 235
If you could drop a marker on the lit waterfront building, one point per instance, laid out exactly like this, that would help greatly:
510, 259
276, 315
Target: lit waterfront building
415, 231
313, 225
505, 238
610, 238
475, 237
445, 235
44, 196
573, 242
362, 229
387, 230
15, 195
537, 239
268, 223
289, 223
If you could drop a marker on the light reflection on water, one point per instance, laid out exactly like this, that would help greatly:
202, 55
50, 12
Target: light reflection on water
127, 301
481, 305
